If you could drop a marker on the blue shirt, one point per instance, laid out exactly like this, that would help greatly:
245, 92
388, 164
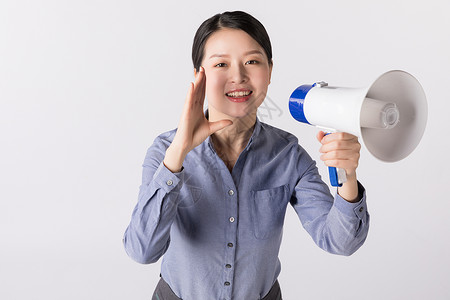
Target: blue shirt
220, 232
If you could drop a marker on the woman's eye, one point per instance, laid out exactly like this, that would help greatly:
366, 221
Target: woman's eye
251, 62
221, 65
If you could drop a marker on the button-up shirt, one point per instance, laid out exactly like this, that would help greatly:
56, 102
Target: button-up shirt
219, 232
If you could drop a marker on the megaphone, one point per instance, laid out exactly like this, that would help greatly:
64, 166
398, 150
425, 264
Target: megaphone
390, 115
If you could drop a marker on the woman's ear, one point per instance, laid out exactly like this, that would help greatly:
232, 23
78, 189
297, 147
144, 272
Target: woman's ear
270, 69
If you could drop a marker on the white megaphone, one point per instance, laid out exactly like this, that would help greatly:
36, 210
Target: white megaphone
390, 115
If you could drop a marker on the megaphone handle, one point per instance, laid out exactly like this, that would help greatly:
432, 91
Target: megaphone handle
337, 175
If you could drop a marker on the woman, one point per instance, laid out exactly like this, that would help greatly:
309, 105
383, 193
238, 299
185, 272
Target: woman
215, 191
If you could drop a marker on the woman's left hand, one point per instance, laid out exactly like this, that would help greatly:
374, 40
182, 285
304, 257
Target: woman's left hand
340, 150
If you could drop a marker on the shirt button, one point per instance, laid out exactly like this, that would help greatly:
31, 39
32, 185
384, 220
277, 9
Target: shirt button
231, 192
361, 209
228, 266
169, 182
231, 219
227, 283
230, 245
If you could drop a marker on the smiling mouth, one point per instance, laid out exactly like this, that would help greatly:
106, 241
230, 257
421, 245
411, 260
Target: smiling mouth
238, 94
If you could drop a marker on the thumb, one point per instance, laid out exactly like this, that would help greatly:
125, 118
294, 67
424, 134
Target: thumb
320, 136
218, 125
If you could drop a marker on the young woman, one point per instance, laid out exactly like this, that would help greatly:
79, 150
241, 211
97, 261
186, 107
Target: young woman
215, 191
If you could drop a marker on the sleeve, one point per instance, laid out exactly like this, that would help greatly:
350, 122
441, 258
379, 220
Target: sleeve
147, 237
336, 225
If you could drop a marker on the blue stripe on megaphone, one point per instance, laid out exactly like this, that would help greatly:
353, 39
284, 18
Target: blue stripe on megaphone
296, 103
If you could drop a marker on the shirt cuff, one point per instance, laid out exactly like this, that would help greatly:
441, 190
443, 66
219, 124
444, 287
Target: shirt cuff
350, 209
166, 179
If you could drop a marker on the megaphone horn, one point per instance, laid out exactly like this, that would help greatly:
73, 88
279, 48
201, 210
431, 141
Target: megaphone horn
390, 115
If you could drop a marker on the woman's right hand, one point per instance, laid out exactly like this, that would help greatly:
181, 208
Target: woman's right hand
193, 128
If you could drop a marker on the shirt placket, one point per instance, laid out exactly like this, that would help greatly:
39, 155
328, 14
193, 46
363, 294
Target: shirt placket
231, 230
231, 238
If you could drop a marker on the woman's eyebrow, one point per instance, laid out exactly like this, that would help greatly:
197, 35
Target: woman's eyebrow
254, 52
246, 53
219, 55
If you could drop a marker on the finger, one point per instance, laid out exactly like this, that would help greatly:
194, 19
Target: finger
218, 125
340, 154
320, 136
199, 75
340, 145
338, 136
188, 100
199, 87
348, 165
202, 86
187, 107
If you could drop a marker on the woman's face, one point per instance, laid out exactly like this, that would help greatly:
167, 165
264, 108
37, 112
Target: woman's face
237, 73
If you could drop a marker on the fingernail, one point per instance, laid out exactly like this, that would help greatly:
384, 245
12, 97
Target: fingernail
201, 69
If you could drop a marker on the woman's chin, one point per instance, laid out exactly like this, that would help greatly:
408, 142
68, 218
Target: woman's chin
235, 110
243, 112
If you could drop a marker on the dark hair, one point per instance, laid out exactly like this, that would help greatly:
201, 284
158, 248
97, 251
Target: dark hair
230, 19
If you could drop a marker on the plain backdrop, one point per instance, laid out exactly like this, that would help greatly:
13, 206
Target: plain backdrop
86, 85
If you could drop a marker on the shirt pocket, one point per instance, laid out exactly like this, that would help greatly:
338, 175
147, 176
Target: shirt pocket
268, 209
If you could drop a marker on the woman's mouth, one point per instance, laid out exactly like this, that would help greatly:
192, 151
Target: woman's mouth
239, 95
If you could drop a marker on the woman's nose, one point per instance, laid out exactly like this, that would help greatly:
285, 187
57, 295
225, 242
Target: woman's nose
238, 74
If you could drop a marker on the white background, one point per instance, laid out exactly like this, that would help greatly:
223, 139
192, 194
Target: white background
85, 87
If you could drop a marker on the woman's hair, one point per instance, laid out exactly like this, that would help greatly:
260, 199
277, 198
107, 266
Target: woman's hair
235, 20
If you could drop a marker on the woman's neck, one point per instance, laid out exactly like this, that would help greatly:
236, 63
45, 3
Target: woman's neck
232, 140
237, 135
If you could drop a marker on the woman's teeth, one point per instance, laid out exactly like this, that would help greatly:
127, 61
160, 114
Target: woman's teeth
238, 94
